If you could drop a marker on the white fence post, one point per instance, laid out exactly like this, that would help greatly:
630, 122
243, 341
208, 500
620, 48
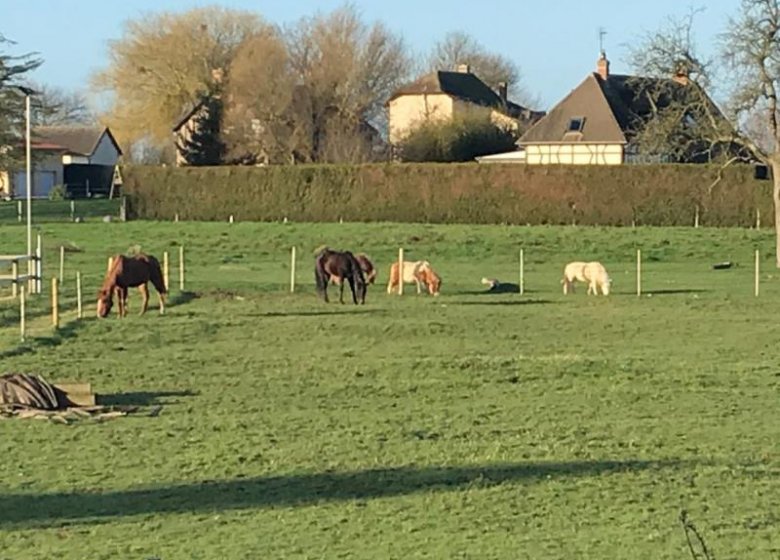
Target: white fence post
757, 275
292, 270
522, 272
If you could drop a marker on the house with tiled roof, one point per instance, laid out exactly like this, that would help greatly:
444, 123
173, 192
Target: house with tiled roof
442, 95
82, 159
602, 120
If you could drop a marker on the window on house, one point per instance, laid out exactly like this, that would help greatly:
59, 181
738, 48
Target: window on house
576, 124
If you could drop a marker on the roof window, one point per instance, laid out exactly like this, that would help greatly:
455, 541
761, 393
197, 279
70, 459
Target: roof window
576, 124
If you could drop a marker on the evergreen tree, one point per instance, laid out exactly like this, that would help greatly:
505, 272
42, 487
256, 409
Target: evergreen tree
205, 145
12, 120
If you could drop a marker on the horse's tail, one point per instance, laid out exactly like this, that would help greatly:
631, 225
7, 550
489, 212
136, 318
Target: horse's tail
156, 275
320, 276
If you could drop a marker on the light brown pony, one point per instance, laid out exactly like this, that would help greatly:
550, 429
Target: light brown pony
130, 272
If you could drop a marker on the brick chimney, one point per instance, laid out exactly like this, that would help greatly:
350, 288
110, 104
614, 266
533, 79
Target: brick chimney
464, 68
602, 66
502, 88
681, 74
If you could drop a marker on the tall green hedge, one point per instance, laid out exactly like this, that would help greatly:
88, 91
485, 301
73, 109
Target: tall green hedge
464, 193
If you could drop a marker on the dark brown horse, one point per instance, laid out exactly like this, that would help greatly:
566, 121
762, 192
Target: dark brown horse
338, 266
130, 272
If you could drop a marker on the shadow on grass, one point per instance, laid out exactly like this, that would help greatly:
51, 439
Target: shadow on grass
336, 311
675, 291
507, 302
183, 298
142, 398
292, 490
65, 332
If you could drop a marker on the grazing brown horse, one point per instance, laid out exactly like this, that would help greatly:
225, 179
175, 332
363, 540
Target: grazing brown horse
130, 272
338, 266
369, 271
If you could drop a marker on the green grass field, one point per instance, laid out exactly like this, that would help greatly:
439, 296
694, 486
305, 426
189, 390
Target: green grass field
465, 426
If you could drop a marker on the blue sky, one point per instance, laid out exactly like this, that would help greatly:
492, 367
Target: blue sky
554, 43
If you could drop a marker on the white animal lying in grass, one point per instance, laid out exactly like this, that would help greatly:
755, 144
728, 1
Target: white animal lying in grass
592, 273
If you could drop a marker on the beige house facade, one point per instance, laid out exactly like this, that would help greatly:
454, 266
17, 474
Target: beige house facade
599, 121
444, 95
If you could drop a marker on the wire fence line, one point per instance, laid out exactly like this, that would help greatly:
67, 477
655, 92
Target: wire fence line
47, 211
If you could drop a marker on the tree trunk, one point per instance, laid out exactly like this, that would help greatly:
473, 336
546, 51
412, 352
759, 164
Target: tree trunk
775, 161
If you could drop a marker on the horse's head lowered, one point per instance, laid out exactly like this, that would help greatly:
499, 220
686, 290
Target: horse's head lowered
432, 280
367, 267
104, 302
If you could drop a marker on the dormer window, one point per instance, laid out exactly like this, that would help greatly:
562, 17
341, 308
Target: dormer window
576, 124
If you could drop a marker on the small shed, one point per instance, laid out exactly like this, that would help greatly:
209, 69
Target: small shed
81, 158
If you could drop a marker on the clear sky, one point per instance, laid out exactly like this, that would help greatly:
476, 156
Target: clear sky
555, 43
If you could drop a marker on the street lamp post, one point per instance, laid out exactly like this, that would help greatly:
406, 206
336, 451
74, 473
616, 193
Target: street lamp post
28, 168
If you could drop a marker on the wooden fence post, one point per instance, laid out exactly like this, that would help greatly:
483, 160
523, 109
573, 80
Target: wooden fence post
638, 272
15, 274
166, 271
72, 211
79, 309
62, 262
19, 211
696, 217
55, 307
22, 322
758, 219
400, 271
181, 267
292, 270
110, 262
39, 267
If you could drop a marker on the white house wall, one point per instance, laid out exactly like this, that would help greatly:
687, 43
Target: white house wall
105, 153
49, 165
409, 111
574, 154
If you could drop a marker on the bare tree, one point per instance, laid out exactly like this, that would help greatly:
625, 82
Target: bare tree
680, 122
458, 47
165, 63
346, 70
751, 48
259, 124
56, 106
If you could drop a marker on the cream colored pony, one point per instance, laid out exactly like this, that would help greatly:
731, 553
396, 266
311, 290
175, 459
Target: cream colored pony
592, 273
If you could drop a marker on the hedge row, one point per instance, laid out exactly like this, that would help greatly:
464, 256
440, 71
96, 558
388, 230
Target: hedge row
453, 193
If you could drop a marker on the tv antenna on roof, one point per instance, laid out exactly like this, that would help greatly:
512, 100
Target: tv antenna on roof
602, 33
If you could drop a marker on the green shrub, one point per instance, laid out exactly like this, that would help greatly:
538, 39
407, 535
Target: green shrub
457, 140
58, 192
